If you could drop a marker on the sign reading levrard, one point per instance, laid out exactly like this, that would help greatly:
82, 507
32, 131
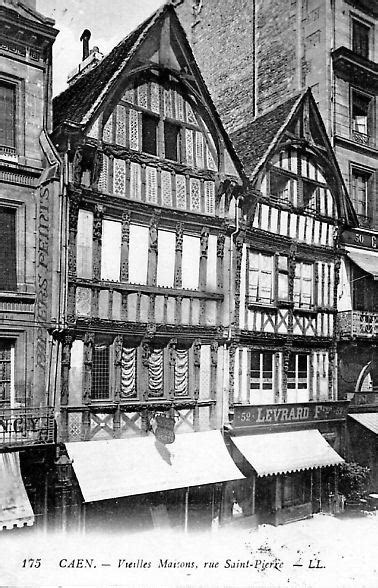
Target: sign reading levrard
247, 415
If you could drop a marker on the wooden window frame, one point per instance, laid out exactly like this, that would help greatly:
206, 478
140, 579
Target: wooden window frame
302, 305
14, 279
258, 299
355, 20
110, 369
295, 383
9, 402
365, 217
370, 116
260, 380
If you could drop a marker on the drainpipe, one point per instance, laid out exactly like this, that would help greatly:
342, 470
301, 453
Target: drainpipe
230, 287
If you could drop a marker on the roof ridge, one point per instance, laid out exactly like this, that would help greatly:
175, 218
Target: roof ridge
144, 28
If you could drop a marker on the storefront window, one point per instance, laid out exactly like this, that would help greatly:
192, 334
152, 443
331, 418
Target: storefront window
295, 489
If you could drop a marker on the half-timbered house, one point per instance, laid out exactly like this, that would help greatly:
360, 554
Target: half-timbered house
152, 185
283, 359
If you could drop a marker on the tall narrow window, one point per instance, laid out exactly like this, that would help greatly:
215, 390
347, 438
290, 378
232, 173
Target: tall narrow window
111, 250
129, 372
6, 368
181, 375
7, 115
297, 375
156, 372
171, 141
362, 117
8, 276
149, 134
260, 277
303, 284
100, 372
360, 38
261, 371
359, 192
283, 278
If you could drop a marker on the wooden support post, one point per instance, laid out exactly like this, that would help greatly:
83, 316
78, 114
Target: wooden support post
186, 510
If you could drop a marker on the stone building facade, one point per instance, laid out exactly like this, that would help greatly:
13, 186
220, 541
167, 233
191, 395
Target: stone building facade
28, 280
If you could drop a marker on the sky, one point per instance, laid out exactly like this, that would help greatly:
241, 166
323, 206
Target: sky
108, 20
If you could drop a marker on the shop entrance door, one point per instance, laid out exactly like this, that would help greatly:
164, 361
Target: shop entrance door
264, 498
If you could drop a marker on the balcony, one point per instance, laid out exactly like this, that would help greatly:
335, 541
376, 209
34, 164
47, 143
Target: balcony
26, 427
355, 69
358, 323
8, 153
365, 222
345, 131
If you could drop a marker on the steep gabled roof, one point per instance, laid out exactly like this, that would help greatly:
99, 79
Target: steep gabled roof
80, 102
257, 139
257, 142
73, 104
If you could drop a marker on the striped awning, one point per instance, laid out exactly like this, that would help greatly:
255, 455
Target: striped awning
366, 260
126, 467
15, 508
281, 453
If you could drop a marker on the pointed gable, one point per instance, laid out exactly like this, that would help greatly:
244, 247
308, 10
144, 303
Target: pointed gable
295, 127
158, 47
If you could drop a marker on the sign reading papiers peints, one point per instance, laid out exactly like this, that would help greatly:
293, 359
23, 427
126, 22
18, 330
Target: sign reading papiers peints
277, 414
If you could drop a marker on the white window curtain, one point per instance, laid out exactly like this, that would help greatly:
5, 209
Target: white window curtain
128, 372
84, 244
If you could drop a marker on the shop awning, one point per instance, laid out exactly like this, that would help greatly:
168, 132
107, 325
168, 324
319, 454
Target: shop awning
15, 508
125, 467
369, 420
366, 260
281, 453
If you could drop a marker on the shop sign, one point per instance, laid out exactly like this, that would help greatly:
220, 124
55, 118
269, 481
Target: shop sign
164, 430
360, 239
280, 414
21, 427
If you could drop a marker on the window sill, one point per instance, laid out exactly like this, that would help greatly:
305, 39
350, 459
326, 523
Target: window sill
148, 289
14, 295
252, 304
302, 310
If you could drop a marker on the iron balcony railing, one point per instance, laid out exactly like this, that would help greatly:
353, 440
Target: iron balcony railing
21, 427
358, 323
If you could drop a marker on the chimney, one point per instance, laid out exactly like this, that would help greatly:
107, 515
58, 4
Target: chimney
90, 59
86, 35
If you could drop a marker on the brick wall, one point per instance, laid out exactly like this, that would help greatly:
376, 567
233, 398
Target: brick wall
222, 37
